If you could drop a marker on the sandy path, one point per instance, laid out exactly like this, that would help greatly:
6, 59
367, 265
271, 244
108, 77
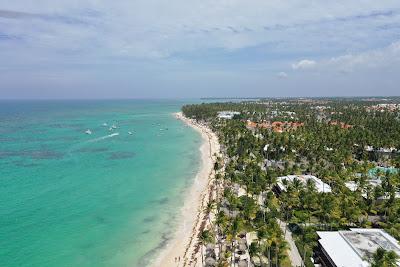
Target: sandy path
185, 245
294, 254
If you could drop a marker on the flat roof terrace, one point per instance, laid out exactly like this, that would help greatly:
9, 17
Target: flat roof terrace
365, 242
355, 248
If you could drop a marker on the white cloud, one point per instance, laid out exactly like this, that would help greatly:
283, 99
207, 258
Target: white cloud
154, 29
371, 59
282, 75
378, 59
195, 36
304, 64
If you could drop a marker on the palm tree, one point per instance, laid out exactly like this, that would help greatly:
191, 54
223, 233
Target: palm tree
282, 248
384, 258
268, 245
308, 239
221, 221
254, 250
208, 209
205, 237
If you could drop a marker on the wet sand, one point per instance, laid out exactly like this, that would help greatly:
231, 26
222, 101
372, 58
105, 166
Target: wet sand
184, 245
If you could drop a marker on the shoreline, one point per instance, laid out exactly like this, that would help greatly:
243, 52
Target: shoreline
193, 218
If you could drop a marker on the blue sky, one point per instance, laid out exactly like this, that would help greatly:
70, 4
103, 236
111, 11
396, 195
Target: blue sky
208, 48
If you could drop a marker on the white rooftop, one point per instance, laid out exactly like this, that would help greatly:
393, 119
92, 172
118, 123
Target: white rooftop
319, 185
353, 186
227, 114
353, 248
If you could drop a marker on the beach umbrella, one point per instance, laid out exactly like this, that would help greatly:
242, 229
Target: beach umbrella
210, 253
210, 262
242, 241
242, 263
242, 247
256, 261
210, 246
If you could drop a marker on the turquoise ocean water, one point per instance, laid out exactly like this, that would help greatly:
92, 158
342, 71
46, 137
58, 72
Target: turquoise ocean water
107, 199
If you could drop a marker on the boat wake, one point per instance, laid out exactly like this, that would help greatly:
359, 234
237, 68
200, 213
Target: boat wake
102, 138
80, 146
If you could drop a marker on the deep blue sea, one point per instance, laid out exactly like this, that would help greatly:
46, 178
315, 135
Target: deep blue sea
109, 198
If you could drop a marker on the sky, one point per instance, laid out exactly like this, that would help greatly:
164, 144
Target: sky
204, 48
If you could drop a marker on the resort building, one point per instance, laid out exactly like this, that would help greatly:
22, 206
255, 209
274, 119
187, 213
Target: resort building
387, 152
382, 152
227, 114
276, 126
319, 185
341, 124
384, 107
369, 148
266, 147
279, 164
352, 186
374, 180
353, 248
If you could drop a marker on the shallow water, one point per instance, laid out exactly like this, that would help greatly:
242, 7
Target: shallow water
106, 199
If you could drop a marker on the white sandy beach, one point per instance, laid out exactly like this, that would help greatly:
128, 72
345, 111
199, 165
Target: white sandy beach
184, 244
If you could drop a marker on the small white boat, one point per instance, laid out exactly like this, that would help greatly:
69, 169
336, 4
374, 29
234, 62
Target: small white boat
130, 133
105, 124
88, 131
114, 127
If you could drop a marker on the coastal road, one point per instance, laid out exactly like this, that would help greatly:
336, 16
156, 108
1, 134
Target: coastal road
294, 254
